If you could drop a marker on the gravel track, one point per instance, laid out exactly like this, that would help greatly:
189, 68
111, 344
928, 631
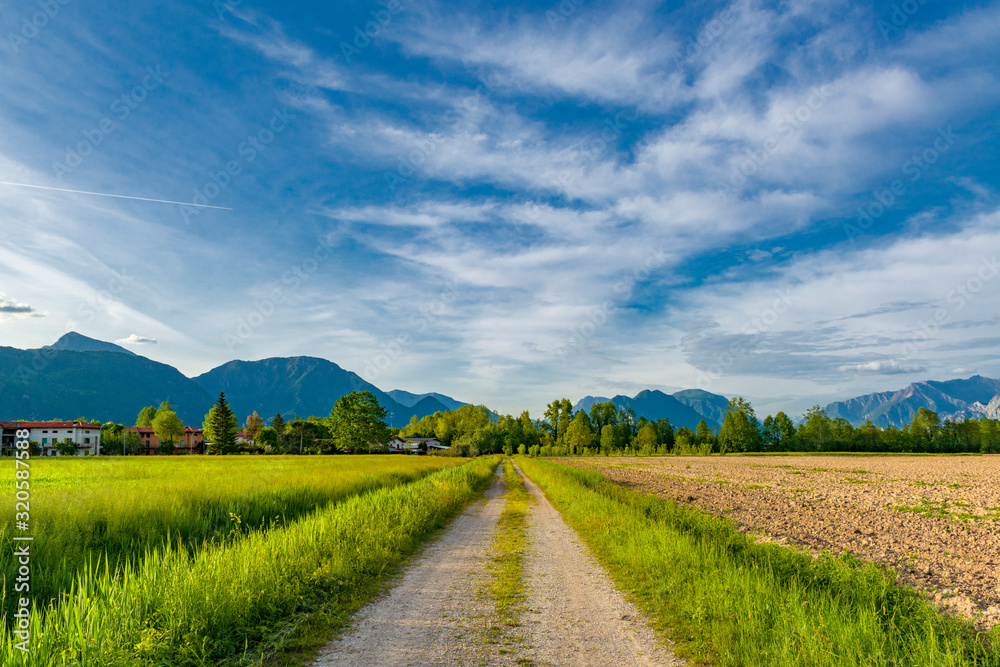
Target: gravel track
575, 614
435, 615
439, 613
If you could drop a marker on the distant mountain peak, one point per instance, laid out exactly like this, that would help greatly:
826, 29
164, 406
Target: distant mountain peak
77, 342
682, 408
951, 399
410, 399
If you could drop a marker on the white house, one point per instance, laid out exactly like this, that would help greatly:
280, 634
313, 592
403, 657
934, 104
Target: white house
413, 444
86, 436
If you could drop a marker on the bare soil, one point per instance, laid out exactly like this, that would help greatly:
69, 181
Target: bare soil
933, 519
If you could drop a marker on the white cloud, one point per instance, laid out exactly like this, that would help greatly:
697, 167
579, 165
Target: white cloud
136, 339
16, 309
887, 367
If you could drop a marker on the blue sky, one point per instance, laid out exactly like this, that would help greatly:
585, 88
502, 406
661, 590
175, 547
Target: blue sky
795, 201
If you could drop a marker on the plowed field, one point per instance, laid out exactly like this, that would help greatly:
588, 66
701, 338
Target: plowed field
934, 519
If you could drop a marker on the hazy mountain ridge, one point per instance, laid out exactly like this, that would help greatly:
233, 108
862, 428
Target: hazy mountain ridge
896, 408
410, 399
655, 404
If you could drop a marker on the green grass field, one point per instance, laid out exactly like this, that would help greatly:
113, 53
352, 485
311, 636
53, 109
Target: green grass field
195, 561
726, 600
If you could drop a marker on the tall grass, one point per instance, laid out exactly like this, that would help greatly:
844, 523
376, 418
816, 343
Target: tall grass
103, 510
239, 602
726, 600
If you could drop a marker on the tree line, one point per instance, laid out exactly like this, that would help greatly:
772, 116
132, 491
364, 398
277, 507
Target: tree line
606, 429
356, 424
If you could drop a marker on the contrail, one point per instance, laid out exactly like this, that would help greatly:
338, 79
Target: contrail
105, 194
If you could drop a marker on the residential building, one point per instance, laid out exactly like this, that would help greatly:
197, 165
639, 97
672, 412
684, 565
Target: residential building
86, 436
413, 444
190, 443
8, 431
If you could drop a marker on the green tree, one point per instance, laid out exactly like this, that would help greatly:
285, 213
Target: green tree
252, 427
66, 447
646, 440
603, 414
740, 431
220, 427
357, 421
684, 440
702, 433
666, 432
785, 431
559, 414
268, 439
145, 418
167, 426
816, 432
278, 423
607, 439
578, 433
923, 428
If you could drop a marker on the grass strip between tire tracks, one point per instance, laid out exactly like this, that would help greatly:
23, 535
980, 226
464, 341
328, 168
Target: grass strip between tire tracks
726, 600
254, 600
507, 589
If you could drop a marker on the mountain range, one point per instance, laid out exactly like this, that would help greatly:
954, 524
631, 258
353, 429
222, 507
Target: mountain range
96, 379
951, 399
79, 376
684, 408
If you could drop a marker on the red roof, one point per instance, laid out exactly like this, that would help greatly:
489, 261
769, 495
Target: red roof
149, 430
8, 424
57, 425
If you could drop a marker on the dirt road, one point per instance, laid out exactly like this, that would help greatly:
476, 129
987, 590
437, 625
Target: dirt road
435, 614
439, 613
575, 614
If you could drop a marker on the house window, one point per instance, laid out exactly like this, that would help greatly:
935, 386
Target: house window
86, 441
45, 441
